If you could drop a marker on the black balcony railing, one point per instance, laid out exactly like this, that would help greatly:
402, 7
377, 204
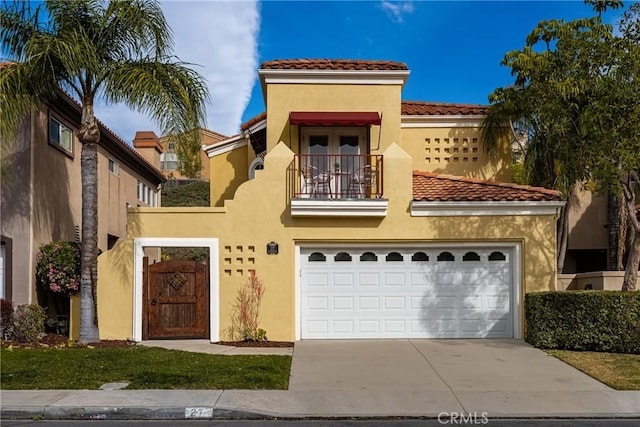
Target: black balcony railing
335, 176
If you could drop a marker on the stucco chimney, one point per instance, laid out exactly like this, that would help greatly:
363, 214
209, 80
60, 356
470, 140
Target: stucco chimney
147, 143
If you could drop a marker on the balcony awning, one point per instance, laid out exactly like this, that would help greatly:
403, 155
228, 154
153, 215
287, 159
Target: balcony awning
334, 118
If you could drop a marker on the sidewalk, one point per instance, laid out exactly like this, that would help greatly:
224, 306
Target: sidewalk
181, 404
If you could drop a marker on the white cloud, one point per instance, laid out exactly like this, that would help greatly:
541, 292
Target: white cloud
221, 38
396, 10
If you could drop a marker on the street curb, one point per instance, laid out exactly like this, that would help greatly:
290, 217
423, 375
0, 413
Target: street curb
122, 413
180, 413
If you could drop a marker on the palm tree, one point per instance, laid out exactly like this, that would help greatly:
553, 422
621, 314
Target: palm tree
118, 50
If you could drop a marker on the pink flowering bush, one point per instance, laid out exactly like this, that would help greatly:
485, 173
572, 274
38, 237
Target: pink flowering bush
58, 267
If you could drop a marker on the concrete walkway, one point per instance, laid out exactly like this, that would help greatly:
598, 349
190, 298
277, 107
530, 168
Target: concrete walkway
414, 378
204, 346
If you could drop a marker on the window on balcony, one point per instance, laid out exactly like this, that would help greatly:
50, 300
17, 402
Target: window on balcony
334, 163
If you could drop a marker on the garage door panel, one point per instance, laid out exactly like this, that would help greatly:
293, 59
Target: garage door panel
412, 299
369, 279
420, 279
343, 279
394, 279
369, 327
317, 279
317, 303
344, 326
343, 303
395, 303
395, 326
369, 303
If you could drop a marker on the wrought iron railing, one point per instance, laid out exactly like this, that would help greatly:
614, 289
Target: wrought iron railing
337, 176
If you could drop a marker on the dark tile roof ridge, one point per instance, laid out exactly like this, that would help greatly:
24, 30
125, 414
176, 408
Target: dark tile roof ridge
252, 121
514, 186
334, 63
443, 104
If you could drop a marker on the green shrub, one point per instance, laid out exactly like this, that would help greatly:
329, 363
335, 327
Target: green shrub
607, 321
194, 194
28, 323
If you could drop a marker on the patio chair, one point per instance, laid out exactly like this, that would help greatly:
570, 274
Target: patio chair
361, 182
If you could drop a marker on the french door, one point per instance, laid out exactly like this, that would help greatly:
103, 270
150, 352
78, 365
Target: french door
333, 155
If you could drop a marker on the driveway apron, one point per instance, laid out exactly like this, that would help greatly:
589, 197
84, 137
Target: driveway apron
482, 365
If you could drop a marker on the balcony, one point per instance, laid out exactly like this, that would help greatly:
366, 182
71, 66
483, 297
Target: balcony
337, 185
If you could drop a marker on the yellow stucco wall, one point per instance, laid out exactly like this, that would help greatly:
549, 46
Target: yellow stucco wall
229, 170
260, 213
285, 98
456, 151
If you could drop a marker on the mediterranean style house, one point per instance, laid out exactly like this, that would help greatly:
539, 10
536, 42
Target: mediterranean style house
161, 152
41, 194
364, 215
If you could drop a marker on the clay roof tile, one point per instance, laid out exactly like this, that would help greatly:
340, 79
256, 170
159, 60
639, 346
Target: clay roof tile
432, 187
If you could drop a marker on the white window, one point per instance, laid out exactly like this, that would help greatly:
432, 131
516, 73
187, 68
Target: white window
256, 164
147, 195
114, 167
169, 161
60, 135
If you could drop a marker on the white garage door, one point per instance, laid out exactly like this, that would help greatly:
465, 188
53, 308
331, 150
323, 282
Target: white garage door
406, 293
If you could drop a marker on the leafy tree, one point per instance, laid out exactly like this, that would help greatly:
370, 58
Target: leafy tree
602, 5
575, 99
117, 50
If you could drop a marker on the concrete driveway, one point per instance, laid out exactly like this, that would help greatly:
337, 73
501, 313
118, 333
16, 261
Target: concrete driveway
454, 366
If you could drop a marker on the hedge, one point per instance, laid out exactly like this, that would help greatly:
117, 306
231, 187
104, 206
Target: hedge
607, 321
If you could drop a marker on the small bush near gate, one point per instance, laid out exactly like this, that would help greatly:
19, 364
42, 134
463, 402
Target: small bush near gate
584, 320
245, 311
28, 323
6, 318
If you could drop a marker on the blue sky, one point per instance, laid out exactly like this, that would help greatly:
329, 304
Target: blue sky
453, 48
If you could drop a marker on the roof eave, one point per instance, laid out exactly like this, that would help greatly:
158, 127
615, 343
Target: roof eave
485, 208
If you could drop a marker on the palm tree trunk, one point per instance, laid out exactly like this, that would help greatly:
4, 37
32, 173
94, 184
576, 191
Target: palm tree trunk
89, 136
633, 262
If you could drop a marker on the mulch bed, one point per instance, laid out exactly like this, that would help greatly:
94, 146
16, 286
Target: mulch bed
257, 343
62, 341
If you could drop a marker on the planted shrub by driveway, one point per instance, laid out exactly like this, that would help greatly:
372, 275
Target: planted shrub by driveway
606, 321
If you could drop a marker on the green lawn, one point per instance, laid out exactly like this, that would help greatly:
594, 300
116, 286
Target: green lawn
142, 367
619, 371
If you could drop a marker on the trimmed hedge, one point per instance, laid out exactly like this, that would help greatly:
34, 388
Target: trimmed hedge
607, 321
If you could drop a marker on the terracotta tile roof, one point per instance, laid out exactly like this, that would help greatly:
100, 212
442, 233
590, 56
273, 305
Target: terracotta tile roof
252, 121
420, 108
332, 64
432, 187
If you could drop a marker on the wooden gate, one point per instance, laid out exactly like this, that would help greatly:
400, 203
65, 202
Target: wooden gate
176, 300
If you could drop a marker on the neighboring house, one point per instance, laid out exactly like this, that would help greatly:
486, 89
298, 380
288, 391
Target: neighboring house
588, 243
161, 153
365, 216
41, 196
